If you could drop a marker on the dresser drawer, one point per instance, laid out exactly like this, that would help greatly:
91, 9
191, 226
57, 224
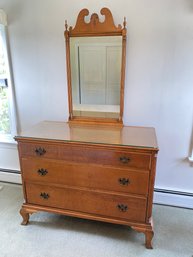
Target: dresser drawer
123, 207
83, 175
86, 154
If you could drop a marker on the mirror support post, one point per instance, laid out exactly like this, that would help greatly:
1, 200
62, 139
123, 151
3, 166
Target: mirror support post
66, 34
124, 33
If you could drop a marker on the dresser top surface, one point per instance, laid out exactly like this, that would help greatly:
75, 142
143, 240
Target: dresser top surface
144, 137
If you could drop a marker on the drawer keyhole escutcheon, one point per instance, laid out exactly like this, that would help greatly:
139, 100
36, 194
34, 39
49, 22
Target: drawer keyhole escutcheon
124, 181
122, 207
42, 172
44, 195
124, 159
40, 151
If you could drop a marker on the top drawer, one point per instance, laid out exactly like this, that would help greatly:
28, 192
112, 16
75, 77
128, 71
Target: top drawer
86, 154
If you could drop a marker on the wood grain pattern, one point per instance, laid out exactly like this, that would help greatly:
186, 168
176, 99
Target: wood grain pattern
87, 176
95, 27
85, 155
88, 201
68, 69
34, 207
104, 136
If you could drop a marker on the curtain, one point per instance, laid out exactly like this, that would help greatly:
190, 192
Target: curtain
3, 18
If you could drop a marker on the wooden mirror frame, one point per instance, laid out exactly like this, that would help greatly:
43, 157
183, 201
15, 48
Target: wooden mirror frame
95, 28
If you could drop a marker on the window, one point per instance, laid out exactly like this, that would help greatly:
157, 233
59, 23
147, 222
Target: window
191, 157
7, 114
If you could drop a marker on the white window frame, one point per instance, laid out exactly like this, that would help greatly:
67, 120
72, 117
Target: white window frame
8, 138
191, 157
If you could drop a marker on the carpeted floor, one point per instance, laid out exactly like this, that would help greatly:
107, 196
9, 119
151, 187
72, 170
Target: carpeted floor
50, 235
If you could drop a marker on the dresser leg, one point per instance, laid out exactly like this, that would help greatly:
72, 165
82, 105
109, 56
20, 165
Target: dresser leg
148, 231
148, 239
25, 216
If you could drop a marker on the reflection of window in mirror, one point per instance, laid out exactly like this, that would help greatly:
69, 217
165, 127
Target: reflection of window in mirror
96, 75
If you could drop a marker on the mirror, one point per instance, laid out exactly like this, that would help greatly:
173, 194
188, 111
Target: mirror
95, 68
96, 73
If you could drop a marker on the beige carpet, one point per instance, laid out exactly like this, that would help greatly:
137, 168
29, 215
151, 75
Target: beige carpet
50, 235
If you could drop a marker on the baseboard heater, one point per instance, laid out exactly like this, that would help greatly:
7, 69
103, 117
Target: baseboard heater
10, 171
10, 176
173, 198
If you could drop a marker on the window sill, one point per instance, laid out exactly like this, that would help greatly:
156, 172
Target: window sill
191, 158
7, 139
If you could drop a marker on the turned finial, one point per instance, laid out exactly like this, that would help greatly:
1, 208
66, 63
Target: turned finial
66, 25
124, 23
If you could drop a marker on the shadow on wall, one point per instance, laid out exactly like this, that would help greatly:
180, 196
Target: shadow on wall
14, 12
190, 5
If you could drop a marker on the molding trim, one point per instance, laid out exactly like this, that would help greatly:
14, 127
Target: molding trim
173, 198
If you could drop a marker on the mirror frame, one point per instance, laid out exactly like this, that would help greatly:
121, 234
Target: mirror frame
95, 28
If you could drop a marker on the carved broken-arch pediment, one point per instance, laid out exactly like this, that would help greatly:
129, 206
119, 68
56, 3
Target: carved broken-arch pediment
95, 26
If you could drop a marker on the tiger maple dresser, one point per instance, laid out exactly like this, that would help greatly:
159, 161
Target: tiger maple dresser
103, 173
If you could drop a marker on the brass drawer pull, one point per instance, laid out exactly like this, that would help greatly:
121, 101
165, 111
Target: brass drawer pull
44, 195
40, 151
42, 172
122, 207
124, 181
124, 159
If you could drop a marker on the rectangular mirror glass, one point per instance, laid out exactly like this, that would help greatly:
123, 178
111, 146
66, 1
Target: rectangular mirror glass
96, 76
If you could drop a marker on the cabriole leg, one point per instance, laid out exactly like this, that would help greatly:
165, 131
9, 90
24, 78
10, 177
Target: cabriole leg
148, 232
148, 239
25, 216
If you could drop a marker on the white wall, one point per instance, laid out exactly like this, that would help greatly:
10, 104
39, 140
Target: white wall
159, 72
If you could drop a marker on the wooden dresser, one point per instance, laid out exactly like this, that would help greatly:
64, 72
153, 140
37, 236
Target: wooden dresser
103, 173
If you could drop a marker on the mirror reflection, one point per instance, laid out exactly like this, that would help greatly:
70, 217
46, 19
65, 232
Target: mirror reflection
96, 75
